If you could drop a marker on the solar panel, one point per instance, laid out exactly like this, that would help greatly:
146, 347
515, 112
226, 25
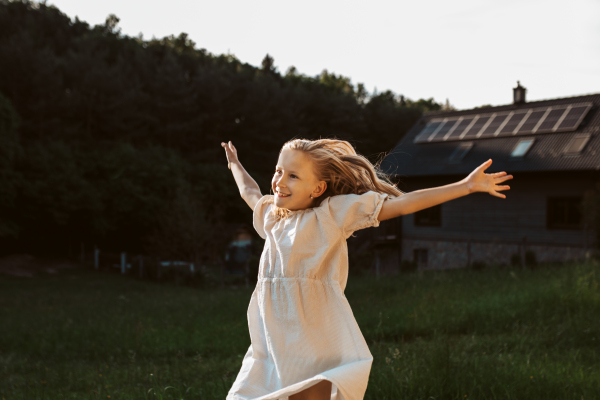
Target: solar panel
444, 129
551, 119
460, 128
493, 126
513, 121
428, 130
574, 117
532, 121
562, 118
476, 127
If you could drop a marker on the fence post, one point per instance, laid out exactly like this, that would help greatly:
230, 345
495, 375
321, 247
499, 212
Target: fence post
123, 262
96, 257
468, 252
247, 272
222, 264
523, 251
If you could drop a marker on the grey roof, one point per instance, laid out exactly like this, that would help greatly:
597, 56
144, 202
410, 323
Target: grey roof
546, 153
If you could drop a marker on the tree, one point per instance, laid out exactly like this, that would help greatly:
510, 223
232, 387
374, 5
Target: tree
268, 65
9, 177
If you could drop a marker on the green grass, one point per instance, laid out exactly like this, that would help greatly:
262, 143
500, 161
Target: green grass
492, 334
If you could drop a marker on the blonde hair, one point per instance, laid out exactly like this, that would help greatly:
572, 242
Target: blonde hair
345, 171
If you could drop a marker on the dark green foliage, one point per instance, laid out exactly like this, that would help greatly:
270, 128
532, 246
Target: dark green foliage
408, 266
10, 151
515, 259
478, 265
530, 259
113, 127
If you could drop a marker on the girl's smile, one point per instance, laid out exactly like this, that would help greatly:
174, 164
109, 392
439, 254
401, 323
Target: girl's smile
294, 177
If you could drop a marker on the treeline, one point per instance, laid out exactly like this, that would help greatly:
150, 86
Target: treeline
114, 140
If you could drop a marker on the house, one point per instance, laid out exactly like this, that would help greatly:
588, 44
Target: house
551, 147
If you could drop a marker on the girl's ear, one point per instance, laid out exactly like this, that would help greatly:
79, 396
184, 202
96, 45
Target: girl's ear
320, 189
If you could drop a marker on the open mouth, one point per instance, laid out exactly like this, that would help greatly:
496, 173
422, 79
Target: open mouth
283, 195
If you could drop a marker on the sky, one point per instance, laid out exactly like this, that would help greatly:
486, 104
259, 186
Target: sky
471, 52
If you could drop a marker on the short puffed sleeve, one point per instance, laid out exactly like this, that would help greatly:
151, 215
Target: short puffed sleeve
352, 212
260, 214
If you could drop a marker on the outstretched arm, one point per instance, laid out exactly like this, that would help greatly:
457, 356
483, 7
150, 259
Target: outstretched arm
249, 189
477, 181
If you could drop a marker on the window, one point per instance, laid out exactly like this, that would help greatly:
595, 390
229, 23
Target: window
460, 152
431, 216
564, 212
522, 147
420, 257
387, 229
576, 144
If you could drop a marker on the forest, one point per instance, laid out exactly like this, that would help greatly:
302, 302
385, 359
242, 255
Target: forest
114, 141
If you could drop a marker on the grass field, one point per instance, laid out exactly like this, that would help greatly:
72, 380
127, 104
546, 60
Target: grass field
491, 334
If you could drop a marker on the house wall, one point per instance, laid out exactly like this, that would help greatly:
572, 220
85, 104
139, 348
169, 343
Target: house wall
491, 229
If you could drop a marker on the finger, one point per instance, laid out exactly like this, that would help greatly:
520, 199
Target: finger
485, 165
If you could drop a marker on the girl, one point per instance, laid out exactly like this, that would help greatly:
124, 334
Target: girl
306, 343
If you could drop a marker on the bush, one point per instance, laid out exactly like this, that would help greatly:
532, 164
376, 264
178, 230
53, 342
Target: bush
530, 259
515, 260
408, 266
478, 265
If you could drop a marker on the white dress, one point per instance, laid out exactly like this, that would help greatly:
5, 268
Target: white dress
302, 329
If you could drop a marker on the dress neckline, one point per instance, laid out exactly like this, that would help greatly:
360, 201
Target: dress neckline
293, 212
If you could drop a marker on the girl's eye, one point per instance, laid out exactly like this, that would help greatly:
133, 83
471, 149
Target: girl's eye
294, 176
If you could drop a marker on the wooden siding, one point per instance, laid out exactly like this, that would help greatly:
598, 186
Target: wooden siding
483, 217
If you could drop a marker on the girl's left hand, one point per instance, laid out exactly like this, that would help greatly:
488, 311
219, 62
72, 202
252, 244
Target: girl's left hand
478, 181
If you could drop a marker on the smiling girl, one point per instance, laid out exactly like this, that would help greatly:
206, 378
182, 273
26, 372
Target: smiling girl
305, 342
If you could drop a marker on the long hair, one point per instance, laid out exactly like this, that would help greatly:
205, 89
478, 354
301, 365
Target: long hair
345, 171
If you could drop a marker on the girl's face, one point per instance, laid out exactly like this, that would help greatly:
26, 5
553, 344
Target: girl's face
294, 181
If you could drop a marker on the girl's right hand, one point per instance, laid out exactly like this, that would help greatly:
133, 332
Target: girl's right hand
230, 152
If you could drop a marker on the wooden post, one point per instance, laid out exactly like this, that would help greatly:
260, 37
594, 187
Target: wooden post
468, 252
222, 272
141, 266
523, 251
123, 256
96, 257
247, 272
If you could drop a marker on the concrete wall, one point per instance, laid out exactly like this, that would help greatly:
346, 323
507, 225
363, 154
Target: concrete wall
455, 254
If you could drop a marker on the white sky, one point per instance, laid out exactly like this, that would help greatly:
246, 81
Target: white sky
471, 52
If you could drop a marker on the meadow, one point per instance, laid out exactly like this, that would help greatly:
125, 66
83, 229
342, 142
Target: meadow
499, 333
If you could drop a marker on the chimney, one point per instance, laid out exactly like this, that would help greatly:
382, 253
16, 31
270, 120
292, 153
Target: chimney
519, 94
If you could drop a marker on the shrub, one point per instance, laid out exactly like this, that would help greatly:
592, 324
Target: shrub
515, 260
530, 259
408, 266
478, 265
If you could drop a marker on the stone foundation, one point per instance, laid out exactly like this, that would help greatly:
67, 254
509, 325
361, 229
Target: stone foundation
447, 254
